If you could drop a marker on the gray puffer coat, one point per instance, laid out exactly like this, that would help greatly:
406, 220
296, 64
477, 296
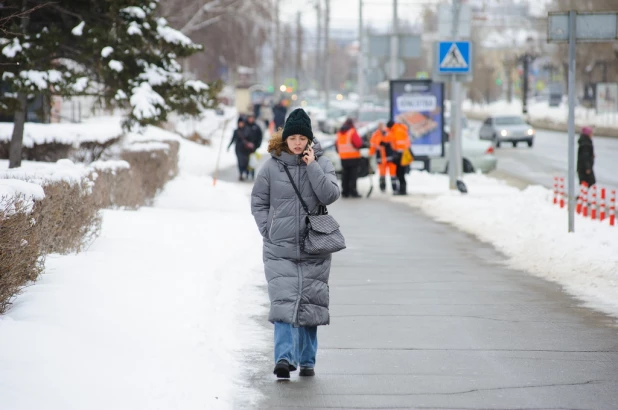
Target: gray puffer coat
297, 281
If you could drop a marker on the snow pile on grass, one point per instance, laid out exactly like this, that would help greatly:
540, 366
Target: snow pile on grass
97, 129
207, 125
13, 188
43, 173
112, 165
530, 231
159, 310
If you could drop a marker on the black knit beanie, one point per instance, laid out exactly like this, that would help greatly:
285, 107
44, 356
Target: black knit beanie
298, 122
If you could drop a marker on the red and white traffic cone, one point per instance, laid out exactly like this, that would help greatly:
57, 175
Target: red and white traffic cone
562, 195
555, 190
580, 197
585, 200
593, 203
602, 205
612, 208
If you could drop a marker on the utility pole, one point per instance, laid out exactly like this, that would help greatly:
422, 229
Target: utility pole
571, 121
524, 96
327, 56
508, 66
299, 51
318, 49
276, 81
361, 56
454, 139
394, 44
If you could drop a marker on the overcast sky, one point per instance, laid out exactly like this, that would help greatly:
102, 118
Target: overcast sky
376, 13
344, 13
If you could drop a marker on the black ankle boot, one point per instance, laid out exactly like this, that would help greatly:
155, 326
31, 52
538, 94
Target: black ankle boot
307, 372
282, 369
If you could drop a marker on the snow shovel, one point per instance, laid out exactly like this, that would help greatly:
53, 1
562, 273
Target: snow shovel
371, 174
461, 187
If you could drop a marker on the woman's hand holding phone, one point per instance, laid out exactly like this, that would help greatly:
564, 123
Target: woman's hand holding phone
308, 155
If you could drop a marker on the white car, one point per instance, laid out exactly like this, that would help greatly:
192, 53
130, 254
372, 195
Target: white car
477, 156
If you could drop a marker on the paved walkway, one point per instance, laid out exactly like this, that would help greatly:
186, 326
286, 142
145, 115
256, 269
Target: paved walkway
424, 316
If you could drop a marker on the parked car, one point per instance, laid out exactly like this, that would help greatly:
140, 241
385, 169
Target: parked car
507, 128
477, 155
335, 117
370, 114
465, 125
368, 165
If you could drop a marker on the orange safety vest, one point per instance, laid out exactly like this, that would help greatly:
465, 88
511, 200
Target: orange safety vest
400, 140
345, 147
376, 139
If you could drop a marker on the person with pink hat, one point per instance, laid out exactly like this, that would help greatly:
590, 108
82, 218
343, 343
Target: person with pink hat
585, 157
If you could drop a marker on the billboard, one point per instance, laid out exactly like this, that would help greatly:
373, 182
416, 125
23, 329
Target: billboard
607, 97
419, 104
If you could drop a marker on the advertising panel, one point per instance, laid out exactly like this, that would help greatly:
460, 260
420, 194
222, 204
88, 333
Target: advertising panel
419, 104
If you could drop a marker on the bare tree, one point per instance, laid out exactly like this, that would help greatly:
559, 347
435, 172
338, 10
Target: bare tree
232, 32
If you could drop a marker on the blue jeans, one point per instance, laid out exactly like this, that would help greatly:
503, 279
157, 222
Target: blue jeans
297, 345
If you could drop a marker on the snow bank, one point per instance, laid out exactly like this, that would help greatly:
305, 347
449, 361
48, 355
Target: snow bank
530, 231
541, 111
147, 146
207, 125
43, 173
113, 165
10, 189
98, 129
150, 133
161, 305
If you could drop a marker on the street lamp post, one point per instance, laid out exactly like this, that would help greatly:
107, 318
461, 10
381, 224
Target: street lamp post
361, 56
527, 58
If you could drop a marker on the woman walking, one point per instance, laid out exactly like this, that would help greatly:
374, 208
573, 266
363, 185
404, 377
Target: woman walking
244, 147
585, 158
297, 281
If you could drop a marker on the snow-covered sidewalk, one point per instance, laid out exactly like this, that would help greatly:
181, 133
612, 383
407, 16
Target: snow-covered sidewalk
155, 315
529, 230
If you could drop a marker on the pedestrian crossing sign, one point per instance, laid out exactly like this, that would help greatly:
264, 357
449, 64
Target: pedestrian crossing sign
454, 57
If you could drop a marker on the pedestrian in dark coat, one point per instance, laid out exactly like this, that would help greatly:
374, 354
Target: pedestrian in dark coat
254, 131
255, 136
297, 281
243, 148
585, 157
279, 112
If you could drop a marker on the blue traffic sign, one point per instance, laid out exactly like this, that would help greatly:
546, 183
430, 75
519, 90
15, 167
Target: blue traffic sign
454, 57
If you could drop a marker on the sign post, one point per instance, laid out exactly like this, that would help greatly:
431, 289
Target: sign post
572, 27
454, 60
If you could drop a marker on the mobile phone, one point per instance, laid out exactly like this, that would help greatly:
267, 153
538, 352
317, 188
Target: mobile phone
306, 151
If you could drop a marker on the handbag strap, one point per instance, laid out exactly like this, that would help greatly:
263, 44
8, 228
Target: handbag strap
287, 171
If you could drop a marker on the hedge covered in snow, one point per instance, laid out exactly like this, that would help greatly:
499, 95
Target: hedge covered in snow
55, 207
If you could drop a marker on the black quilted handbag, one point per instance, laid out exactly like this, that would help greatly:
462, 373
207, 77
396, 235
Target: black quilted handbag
323, 235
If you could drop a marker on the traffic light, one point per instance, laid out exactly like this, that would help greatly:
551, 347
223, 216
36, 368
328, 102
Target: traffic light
498, 81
